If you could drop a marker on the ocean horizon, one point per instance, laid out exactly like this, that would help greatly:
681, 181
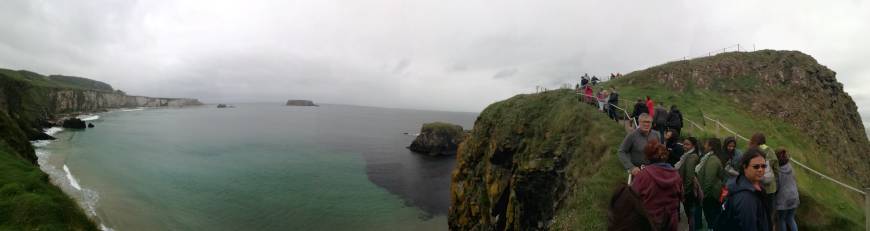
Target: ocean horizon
261, 166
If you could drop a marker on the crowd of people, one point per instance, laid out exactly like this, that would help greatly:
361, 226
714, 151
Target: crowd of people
717, 185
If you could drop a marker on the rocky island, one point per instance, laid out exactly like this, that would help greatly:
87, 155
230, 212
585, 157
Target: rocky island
437, 139
295, 102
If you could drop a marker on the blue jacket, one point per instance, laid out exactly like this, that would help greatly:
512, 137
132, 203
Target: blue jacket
745, 208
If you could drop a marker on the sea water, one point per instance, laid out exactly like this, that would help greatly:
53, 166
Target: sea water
254, 167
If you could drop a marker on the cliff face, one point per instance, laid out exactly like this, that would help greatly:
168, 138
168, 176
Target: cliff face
544, 161
64, 101
29, 100
524, 159
787, 85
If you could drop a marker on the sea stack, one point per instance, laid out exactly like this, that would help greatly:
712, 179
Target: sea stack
438, 139
74, 123
296, 102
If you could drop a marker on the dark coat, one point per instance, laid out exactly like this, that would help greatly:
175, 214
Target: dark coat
675, 150
626, 212
639, 108
660, 120
675, 119
745, 209
614, 98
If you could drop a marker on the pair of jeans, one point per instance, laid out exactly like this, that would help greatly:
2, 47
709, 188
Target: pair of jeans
786, 220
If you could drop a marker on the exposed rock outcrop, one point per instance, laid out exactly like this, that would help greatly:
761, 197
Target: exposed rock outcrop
74, 123
294, 102
438, 138
523, 156
787, 85
29, 100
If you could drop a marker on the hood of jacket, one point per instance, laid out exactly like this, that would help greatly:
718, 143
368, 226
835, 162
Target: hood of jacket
785, 169
665, 176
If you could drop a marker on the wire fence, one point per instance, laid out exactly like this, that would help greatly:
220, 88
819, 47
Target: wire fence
736, 47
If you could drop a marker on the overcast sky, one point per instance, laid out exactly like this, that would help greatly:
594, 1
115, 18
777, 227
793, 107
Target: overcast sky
439, 54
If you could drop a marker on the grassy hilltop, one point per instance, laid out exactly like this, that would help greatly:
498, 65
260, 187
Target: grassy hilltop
544, 161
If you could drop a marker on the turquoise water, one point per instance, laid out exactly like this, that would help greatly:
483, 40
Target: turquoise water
255, 167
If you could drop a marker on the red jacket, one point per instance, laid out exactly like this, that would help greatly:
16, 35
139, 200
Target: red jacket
661, 189
650, 105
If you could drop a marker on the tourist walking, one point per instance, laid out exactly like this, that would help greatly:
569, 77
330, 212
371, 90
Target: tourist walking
650, 106
787, 199
614, 100
660, 188
691, 187
675, 120
733, 166
639, 108
675, 147
660, 120
711, 174
745, 207
602, 99
631, 150
771, 175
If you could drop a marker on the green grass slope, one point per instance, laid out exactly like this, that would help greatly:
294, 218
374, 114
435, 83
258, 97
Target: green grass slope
28, 201
729, 98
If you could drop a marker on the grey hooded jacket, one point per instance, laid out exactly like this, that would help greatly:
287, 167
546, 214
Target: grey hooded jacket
787, 196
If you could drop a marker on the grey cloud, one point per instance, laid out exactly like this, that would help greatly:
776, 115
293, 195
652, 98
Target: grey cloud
445, 55
402, 65
505, 73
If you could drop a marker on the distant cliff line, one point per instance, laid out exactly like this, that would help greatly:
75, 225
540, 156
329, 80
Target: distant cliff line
28, 103
31, 101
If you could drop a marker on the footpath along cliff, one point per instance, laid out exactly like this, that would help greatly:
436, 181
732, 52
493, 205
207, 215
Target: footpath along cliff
546, 162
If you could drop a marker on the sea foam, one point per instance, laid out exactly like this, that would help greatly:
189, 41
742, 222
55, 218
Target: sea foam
72, 180
88, 117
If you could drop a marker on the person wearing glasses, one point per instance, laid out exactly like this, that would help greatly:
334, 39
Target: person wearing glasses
746, 205
631, 151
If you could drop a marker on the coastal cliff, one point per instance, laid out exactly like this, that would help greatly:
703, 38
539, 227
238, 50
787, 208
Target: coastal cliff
28, 103
525, 155
545, 162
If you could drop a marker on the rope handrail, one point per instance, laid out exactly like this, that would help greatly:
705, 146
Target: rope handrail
617, 107
719, 123
792, 160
